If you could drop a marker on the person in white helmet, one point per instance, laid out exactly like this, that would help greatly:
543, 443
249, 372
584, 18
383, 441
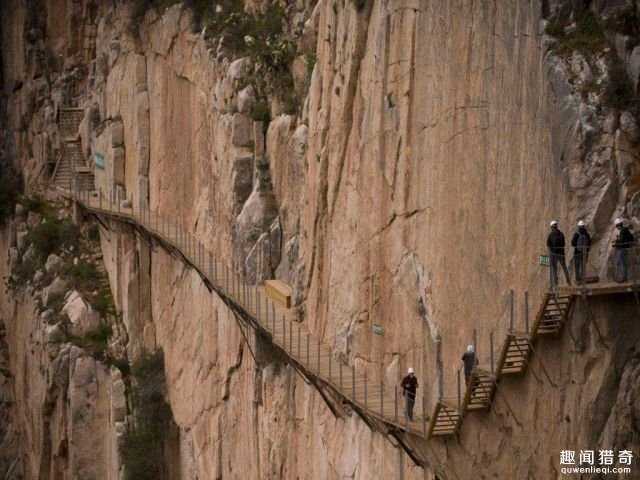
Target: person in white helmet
409, 387
469, 360
623, 242
555, 244
581, 243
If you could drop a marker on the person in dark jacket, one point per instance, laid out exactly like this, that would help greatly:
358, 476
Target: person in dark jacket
469, 361
623, 242
581, 243
555, 244
409, 386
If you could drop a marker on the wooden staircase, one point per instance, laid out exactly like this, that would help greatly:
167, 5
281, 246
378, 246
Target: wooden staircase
553, 314
515, 354
69, 122
445, 421
71, 163
63, 173
480, 391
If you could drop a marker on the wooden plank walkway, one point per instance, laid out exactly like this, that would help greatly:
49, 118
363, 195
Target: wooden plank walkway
311, 356
600, 289
307, 351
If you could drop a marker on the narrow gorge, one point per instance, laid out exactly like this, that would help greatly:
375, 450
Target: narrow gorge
392, 166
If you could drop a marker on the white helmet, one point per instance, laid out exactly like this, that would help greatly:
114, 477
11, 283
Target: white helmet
410, 370
470, 348
581, 223
553, 223
619, 221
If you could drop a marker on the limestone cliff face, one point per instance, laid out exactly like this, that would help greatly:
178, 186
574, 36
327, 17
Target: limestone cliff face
410, 188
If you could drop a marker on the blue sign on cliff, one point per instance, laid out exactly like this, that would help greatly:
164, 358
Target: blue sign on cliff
99, 160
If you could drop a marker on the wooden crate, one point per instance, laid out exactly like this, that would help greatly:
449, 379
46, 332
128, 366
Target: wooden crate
279, 292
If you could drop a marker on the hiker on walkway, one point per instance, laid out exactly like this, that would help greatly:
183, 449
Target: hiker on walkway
581, 243
623, 242
555, 244
409, 386
469, 361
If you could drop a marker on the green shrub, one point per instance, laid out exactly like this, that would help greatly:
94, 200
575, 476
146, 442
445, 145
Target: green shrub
96, 341
88, 280
121, 364
103, 303
625, 22
555, 28
21, 273
144, 443
261, 112
93, 233
141, 7
587, 38
83, 276
100, 336
36, 204
53, 235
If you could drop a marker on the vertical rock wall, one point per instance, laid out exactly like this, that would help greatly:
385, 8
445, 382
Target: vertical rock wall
410, 191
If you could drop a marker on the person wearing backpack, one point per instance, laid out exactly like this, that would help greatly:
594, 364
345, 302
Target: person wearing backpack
581, 243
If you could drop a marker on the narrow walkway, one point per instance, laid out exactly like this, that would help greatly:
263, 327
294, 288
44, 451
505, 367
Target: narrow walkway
314, 358
381, 406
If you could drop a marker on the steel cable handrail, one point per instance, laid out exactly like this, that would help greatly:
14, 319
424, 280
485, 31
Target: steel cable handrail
376, 398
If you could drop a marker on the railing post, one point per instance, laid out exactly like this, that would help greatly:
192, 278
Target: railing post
439, 367
290, 335
526, 311
491, 341
353, 380
273, 309
365, 389
308, 363
319, 374
475, 342
511, 311
340, 368
381, 398
266, 311
244, 294
395, 401
459, 392
299, 345
424, 416
330, 365
210, 267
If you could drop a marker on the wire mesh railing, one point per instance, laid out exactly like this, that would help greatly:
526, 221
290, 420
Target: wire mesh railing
309, 353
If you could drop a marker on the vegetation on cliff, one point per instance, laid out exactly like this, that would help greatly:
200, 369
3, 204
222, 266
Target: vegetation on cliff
260, 36
591, 36
144, 443
54, 249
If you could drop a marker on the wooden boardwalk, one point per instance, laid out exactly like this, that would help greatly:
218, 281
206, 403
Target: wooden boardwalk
379, 404
317, 361
314, 358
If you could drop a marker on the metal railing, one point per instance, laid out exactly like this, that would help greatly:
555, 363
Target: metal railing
621, 265
372, 397
308, 353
